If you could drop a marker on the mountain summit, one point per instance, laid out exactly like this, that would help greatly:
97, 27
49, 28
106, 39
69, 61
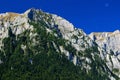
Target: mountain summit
36, 45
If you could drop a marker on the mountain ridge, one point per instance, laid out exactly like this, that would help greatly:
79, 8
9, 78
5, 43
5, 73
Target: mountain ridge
36, 32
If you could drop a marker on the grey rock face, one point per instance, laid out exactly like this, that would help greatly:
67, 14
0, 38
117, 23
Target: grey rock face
87, 48
110, 43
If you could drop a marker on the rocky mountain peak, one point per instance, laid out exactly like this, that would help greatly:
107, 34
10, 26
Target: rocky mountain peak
31, 12
110, 43
35, 32
116, 32
108, 40
9, 16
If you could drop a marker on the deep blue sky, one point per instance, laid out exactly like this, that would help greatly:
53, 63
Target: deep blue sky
89, 15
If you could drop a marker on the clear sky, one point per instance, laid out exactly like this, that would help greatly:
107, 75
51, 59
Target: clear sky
89, 15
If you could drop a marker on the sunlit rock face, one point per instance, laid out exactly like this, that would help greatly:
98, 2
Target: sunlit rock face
19, 23
110, 43
85, 51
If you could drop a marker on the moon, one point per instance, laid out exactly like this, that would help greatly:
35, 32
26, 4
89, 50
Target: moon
107, 4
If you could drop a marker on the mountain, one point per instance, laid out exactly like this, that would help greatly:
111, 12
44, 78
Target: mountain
109, 42
36, 45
